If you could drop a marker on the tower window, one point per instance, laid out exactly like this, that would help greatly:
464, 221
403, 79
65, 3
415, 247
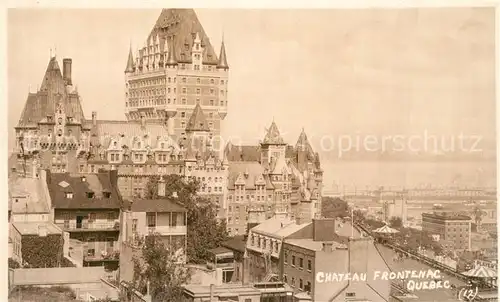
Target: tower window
212, 81
198, 81
198, 91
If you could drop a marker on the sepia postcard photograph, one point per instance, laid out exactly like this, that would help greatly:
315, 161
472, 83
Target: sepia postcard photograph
251, 155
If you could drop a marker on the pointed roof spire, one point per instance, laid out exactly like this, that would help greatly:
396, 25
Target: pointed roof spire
197, 122
303, 143
130, 62
222, 56
273, 136
172, 58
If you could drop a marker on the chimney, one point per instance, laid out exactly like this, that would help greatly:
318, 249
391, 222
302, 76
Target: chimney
161, 187
94, 118
327, 247
42, 231
67, 71
324, 229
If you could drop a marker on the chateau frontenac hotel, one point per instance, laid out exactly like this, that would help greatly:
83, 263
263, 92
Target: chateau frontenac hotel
175, 99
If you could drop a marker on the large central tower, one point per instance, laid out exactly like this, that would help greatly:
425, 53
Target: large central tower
176, 70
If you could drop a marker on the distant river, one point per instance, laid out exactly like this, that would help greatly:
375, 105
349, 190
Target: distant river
408, 174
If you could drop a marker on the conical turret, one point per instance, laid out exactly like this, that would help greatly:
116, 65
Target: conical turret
222, 57
171, 59
130, 62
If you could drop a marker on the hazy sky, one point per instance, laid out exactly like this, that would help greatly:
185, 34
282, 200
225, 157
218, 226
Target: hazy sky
330, 71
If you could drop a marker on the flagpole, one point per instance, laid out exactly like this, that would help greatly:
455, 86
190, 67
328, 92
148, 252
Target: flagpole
352, 223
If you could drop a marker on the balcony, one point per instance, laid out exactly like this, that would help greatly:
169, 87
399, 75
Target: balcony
73, 226
168, 230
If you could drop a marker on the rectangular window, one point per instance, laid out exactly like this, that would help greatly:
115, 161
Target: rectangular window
111, 216
301, 263
293, 260
134, 225
301, 284
309, 265
151, 219
174, 220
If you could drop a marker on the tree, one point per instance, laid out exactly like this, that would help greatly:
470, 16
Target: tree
334, 207
204, 231
162, 269
396, 222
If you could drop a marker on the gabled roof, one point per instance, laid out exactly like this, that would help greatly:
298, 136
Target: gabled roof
273, 136
197, 121
62, 183
184, 25
44, 102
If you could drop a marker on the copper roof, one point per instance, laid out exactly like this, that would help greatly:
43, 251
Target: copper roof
44, 102
197, 121
130, 62
303, 144
172, 56
183, 24
273, 136
222, 57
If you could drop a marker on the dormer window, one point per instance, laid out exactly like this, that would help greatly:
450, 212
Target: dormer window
90, 194
106, 194
69, 195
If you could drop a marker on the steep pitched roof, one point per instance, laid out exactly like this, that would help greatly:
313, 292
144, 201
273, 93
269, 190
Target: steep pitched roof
303, 144
184, 25
197, 121
222, 57
44, 102
242, 153
249, 174
273, 136
130, 62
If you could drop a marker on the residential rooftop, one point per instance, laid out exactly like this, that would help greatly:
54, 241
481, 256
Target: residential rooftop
33, 228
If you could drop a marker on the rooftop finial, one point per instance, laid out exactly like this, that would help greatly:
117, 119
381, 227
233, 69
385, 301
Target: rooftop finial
51, 53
